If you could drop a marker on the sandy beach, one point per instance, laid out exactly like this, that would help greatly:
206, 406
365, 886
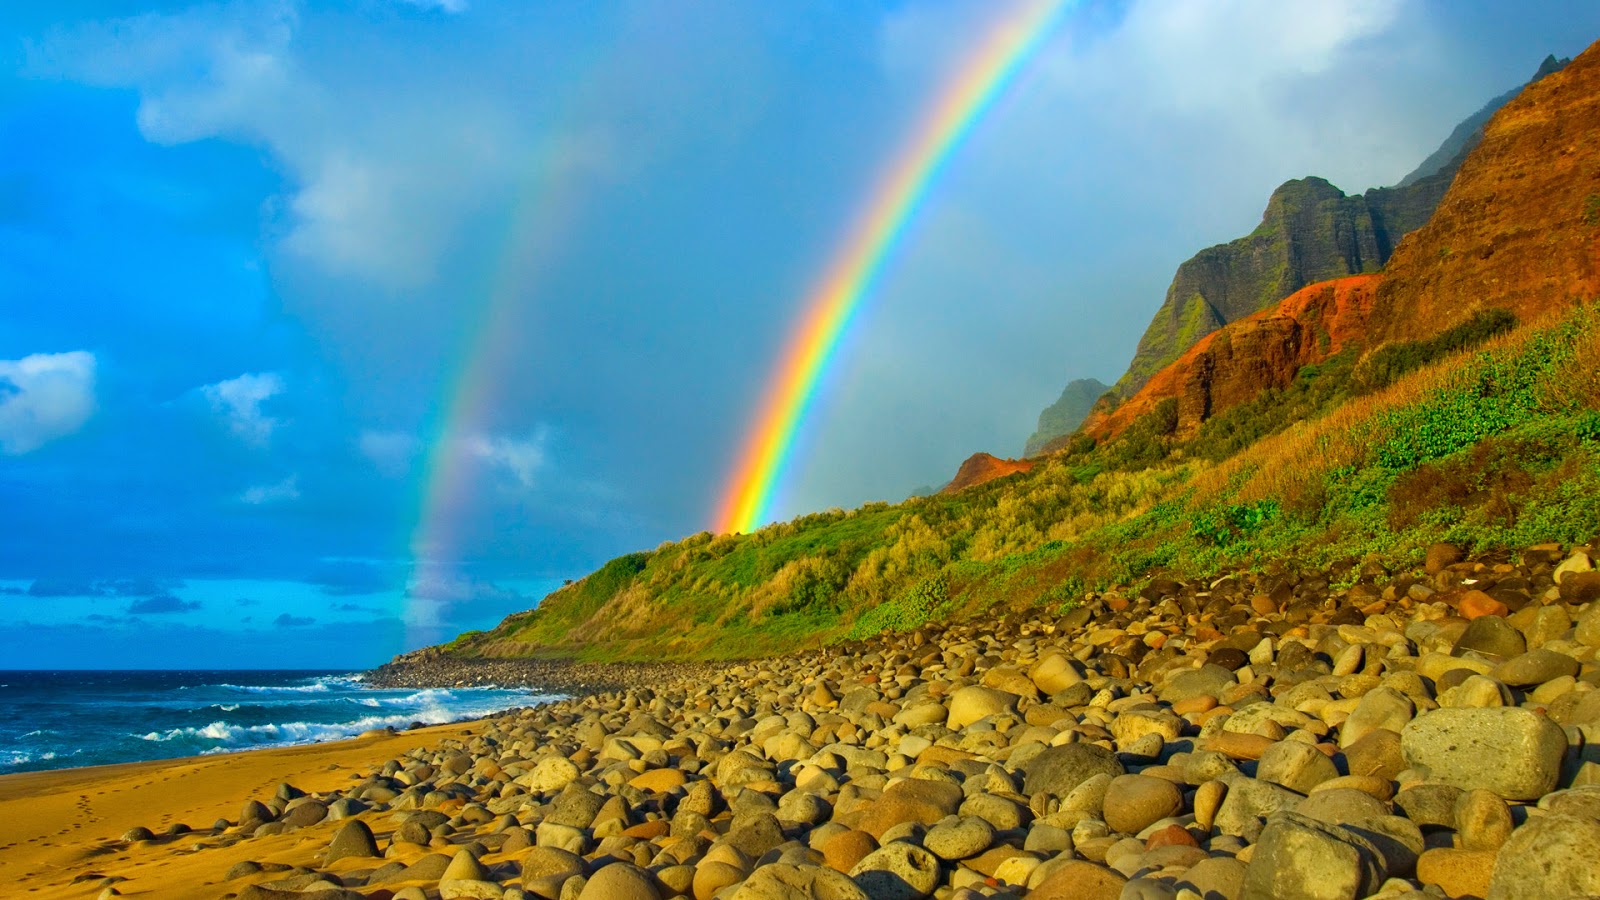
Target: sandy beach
59, 829
1239, 739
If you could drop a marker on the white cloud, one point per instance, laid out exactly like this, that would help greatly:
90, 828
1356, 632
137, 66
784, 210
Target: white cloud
383, 177
238, 401
1215, 56
520, 458
280, 492
390, 452
387, 160
43, 397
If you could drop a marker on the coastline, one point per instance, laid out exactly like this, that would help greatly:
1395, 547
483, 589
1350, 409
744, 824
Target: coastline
1239, 738
428, 669
63, 824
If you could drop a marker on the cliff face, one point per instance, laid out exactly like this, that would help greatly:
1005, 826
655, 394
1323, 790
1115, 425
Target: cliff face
1266, 350
981, 467
1065, 415
1518, 230
1520, 227
1470, 131
1311, 231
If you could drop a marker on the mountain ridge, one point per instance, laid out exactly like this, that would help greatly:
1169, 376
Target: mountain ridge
1310, 231
1453, 398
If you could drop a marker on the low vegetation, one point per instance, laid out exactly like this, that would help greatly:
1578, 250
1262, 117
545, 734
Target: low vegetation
1483, 436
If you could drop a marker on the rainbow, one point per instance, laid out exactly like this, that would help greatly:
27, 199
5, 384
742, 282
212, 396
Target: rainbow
545, 206
851, 273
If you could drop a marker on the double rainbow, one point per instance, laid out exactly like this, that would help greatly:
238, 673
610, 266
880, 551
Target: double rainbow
850, 275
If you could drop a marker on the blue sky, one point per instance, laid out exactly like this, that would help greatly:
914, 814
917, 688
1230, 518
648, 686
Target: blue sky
243, 247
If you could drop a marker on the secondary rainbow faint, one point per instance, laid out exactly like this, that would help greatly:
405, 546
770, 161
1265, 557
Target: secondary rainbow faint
544, 208
957, 108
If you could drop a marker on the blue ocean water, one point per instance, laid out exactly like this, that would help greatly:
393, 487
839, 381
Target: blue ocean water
57, 720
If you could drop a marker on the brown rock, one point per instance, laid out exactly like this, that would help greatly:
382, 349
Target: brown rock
1240, 746
911, 800
1079, 880
842, 851
1461, 873
1133, 802
659, 781
1477, 604
1171, 836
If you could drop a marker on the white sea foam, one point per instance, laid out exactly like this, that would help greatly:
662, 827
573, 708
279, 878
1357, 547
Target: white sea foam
429, 707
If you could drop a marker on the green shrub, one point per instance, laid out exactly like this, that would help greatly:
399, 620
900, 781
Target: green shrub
1385, 365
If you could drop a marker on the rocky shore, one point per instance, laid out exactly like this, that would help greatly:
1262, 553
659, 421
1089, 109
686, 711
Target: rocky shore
1261, 736
429, 668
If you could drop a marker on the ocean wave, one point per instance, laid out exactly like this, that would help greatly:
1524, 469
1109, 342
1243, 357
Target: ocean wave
234, 737
23, 757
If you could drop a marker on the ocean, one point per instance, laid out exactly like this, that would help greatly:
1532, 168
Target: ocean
57, 720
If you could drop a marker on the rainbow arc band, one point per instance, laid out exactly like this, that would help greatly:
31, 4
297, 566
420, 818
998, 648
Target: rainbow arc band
849, 277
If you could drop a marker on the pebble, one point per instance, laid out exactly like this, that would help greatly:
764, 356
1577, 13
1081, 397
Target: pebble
1252, 737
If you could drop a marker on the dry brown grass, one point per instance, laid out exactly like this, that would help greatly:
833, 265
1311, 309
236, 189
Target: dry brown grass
1292, 466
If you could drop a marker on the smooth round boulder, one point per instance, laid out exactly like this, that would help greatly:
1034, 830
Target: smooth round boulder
1079, 880
1300, 858
1296, 766
1535, 667
1058, 770
963, 838
897, 871
1549, 856
782, 881
1134, 802
353, 838
974, 702
620, 881
911, 800
1514, 752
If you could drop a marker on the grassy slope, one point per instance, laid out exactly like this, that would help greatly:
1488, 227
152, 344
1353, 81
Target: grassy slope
1357, 462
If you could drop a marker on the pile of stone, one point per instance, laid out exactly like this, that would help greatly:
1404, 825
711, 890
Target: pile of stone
1270, 736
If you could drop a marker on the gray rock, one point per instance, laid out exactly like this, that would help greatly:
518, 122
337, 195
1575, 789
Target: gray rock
1057, 770
1248, 802
1550, 856
897, 871
1483, 821
1430, 804
1296, 766
1513, 752
575, 807
963, 838
781, 881
620, 881
1342, 806
353, 838
1209, 680
1300, 858
1380, 708
756, 835
1535, 667
1492, 636
1133, 802
1219, 876
1398, 840
305, 813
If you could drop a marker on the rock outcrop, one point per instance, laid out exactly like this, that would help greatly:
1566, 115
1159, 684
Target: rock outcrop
1266, 350
1065, 415
1310, 232
981, 467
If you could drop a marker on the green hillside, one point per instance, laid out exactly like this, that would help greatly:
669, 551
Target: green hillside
1357, 464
